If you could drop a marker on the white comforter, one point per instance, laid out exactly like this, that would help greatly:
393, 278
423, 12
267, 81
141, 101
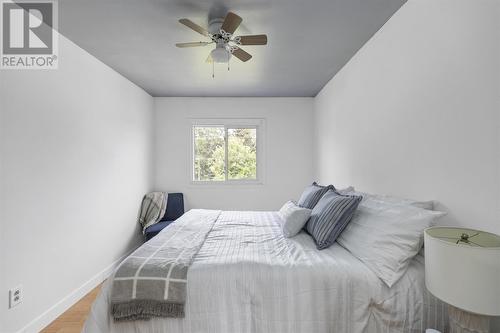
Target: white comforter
248, 278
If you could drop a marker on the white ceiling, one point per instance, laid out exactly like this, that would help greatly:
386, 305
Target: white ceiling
308, 42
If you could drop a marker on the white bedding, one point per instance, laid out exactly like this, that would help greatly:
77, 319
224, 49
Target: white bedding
248, 278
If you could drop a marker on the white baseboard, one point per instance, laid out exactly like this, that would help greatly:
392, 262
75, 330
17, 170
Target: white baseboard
40, 322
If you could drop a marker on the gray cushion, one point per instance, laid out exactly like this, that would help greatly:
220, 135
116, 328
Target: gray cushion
330, 216
312, 194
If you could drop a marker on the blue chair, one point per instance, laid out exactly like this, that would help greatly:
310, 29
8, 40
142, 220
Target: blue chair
175, 209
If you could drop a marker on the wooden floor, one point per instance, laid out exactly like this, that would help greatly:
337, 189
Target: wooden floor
73, 319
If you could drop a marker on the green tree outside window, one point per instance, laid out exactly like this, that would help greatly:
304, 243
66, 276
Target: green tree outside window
217, 148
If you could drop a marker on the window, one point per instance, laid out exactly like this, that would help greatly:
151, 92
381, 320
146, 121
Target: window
226, 150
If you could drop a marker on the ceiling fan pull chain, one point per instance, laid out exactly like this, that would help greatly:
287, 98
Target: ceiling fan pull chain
228, 57
213, 69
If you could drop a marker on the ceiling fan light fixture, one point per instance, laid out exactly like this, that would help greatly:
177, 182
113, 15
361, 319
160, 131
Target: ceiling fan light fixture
220, 55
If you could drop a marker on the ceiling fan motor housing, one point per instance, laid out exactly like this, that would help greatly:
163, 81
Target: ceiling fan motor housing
214, 25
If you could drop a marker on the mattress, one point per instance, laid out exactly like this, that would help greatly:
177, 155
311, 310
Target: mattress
248, 278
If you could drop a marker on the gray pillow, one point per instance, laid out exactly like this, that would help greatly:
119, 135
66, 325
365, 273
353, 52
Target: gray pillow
312, 194
330, 216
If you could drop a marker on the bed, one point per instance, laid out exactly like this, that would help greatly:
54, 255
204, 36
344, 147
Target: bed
248, 278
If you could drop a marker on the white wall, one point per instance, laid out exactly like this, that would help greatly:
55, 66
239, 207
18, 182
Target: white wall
75, 147
288, 141
416, 112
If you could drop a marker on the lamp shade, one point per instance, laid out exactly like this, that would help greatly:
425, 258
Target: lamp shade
462, 268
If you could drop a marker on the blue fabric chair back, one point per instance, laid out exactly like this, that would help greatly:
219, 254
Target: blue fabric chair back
175, 207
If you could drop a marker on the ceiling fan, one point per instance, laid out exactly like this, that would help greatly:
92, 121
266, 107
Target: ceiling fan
220, 31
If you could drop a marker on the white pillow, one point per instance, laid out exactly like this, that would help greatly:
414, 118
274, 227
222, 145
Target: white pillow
293, 218
346, 190
390, 199
386, 236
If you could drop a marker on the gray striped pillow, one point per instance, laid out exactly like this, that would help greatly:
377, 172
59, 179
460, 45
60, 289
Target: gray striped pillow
330, 216
312, 194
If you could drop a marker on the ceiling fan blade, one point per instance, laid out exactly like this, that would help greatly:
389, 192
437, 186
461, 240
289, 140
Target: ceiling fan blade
231, 22
192, 44
242, 55
190, 24
253, 40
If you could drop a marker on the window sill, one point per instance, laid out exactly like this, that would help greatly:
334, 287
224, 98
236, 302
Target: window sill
221, 184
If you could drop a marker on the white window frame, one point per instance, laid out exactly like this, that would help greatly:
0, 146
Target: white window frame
228, 123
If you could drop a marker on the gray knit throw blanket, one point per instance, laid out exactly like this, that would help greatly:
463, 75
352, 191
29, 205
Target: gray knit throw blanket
152, 281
